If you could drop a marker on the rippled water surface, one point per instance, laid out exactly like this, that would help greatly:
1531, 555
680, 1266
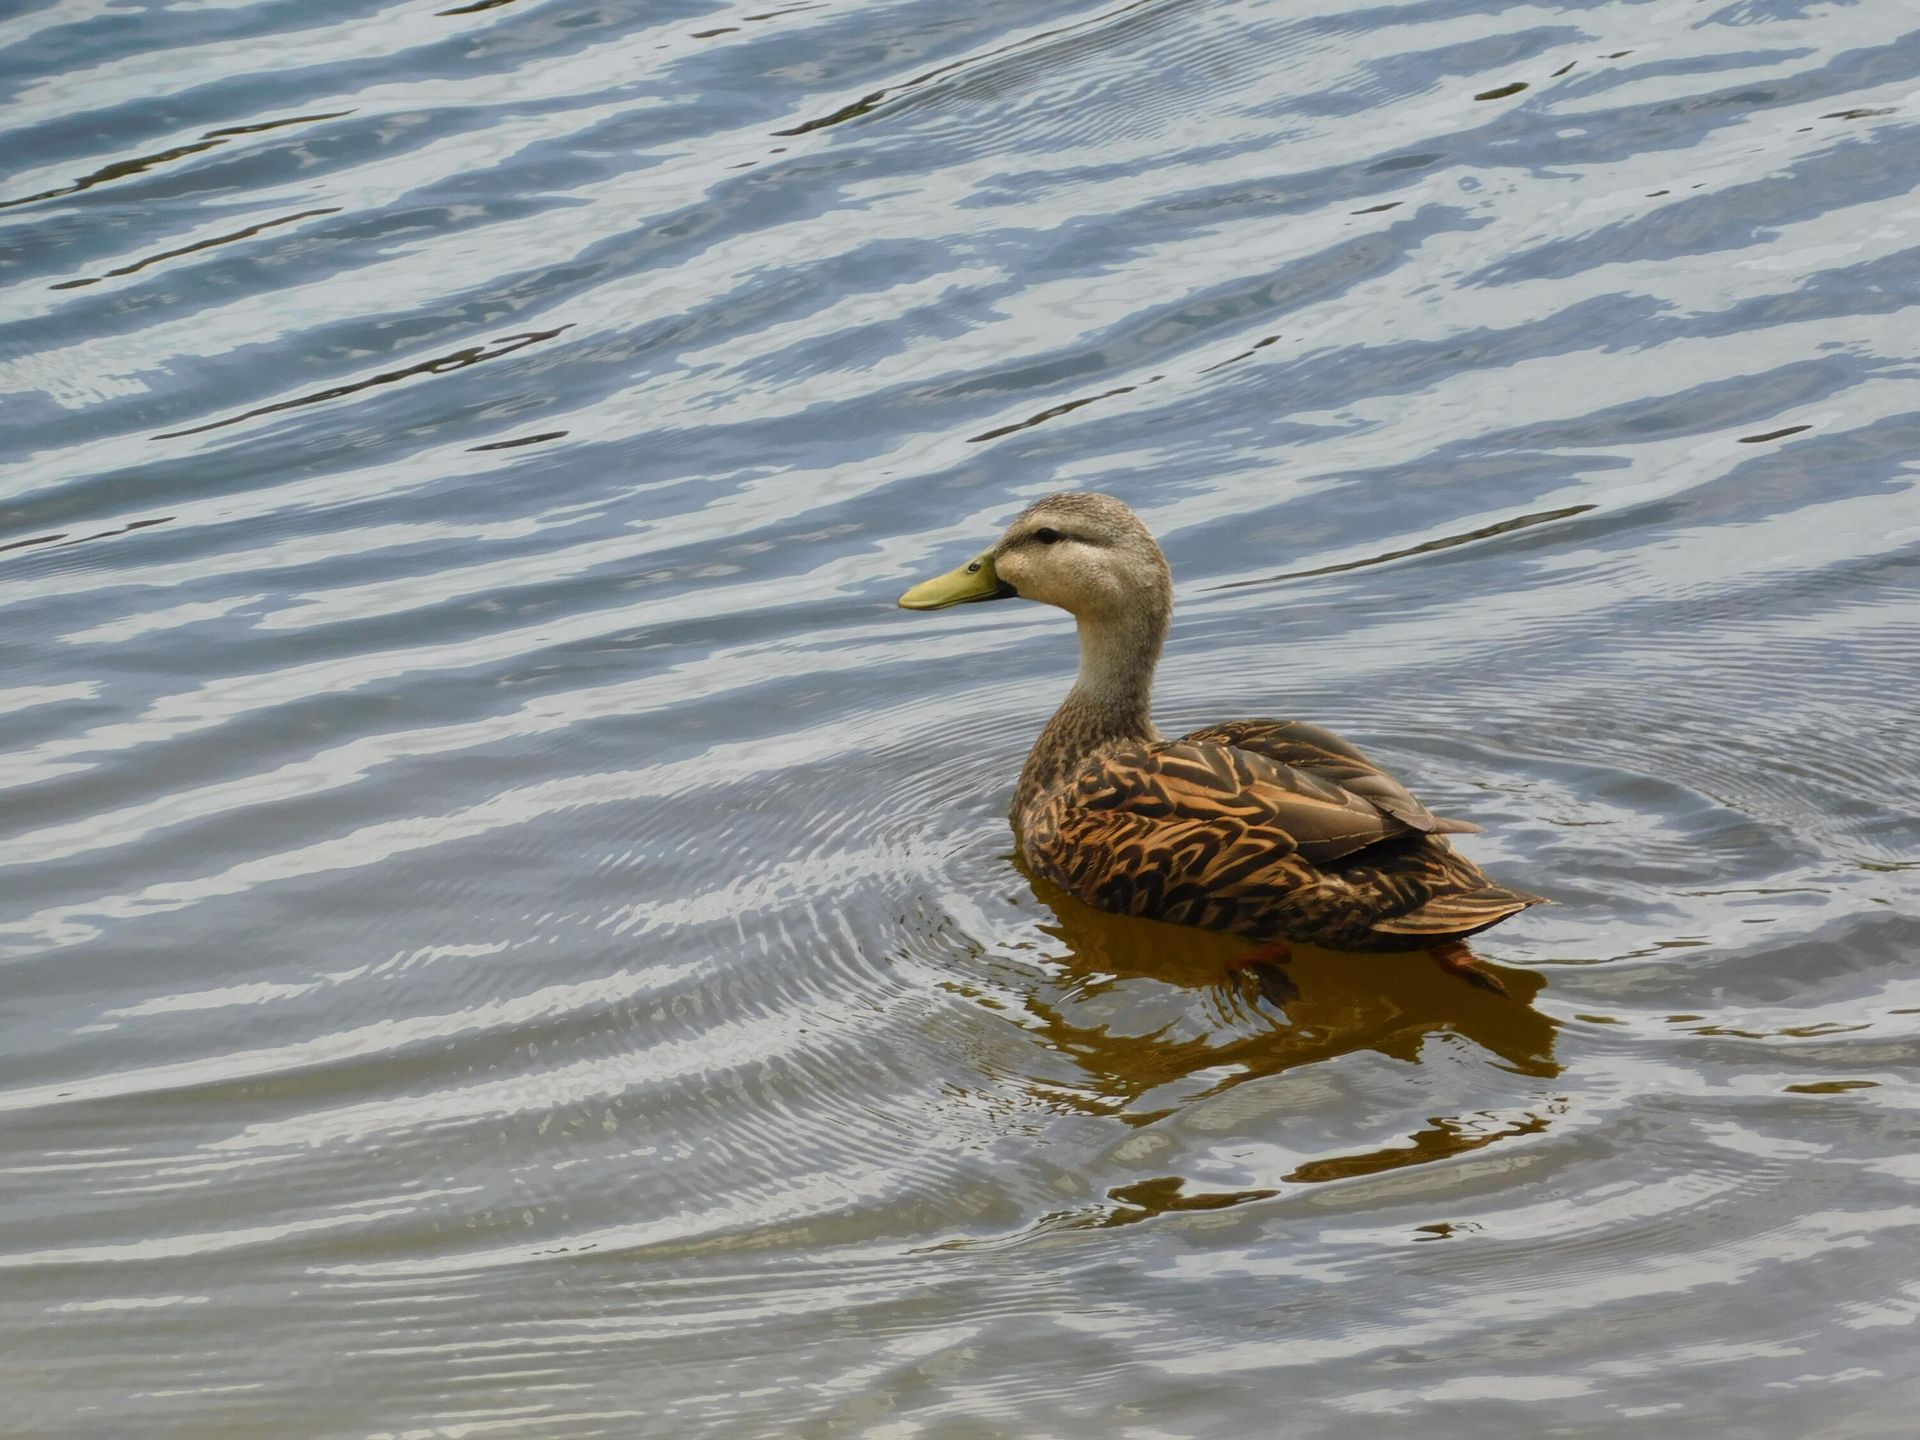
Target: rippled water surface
506, 931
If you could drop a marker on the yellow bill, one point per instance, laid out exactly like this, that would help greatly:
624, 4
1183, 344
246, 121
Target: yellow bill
974, 580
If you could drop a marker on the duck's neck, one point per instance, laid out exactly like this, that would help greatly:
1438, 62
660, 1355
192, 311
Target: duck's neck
1109, 706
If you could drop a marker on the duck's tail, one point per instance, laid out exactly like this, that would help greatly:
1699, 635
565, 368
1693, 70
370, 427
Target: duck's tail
1459, 913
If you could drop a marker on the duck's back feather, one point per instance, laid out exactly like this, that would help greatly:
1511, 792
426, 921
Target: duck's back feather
1319, 751
1266, 828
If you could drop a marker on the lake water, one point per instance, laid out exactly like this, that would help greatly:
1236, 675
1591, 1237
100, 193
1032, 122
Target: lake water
505, 930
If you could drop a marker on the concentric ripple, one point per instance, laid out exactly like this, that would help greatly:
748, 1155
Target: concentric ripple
508, 932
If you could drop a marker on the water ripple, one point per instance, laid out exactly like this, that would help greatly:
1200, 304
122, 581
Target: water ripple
490, 886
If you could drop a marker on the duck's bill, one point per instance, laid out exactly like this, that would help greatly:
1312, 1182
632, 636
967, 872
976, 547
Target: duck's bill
976, 580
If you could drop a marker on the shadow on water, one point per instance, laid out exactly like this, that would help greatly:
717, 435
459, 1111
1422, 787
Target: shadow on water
1148, 1050
1389, 1003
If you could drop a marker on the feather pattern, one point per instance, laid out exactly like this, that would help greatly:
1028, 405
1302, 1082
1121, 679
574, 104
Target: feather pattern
1267, 828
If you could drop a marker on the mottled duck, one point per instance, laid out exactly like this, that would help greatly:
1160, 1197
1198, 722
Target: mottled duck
1275, 830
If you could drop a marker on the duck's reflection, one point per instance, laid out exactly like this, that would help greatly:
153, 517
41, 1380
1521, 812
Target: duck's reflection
1123, 1008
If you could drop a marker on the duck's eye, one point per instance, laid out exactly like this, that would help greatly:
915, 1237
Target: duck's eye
1048, 536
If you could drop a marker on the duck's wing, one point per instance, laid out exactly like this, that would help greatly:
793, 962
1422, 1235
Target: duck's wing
1324, 755
1260, 803
1206, 831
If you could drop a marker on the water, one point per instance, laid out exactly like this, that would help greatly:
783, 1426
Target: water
507, 932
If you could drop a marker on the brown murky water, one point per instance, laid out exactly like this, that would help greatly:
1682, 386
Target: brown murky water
507, 932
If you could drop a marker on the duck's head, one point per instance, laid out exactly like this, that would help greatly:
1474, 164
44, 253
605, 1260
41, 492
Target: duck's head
1088, 554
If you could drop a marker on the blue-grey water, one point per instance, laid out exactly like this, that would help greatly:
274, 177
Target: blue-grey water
506, 932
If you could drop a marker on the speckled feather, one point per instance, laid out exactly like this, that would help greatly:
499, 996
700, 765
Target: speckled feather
1277, 830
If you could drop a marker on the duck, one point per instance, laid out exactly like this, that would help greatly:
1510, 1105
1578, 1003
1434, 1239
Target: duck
1277, 831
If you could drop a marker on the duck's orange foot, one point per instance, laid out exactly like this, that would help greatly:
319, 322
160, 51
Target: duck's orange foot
1455, 957
1264, 966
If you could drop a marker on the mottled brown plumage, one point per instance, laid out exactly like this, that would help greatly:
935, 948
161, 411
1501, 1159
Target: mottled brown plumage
1271, 829
1276, 830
